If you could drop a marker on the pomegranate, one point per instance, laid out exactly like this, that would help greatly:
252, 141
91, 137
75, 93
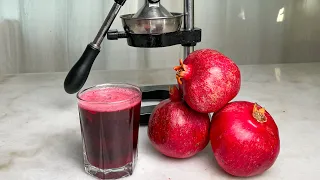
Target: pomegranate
209, 80
177, 131
244, 139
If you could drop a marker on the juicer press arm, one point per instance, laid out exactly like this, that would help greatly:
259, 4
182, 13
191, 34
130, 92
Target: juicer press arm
154, 1
79, 73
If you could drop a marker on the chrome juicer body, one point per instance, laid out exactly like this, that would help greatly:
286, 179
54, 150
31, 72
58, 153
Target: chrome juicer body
151, 27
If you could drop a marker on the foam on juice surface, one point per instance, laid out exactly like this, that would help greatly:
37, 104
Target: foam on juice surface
109, 99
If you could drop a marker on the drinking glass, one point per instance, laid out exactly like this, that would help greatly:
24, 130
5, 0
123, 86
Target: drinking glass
109, 118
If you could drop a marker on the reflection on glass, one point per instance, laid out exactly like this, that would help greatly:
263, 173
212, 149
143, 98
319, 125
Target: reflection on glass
280, 17
242, 14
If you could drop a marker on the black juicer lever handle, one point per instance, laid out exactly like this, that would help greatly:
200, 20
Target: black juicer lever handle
79, 73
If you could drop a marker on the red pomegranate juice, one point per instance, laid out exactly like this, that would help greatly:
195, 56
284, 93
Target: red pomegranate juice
109, 118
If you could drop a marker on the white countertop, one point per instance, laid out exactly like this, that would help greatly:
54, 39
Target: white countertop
40, 131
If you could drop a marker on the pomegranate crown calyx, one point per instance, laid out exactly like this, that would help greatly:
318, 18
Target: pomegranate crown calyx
259, 114
181, 71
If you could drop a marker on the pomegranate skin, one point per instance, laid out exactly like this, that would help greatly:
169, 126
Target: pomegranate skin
177, 131
209, 80
243, 145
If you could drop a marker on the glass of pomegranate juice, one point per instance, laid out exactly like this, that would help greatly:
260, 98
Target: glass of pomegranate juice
109, 118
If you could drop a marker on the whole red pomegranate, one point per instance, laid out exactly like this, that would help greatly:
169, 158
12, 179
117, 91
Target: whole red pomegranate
209, 80
177, 131
244, 139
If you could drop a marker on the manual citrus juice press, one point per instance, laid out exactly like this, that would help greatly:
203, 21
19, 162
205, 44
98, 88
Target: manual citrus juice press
151, 27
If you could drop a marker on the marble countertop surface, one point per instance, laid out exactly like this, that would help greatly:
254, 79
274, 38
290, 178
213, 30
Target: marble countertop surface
40, 131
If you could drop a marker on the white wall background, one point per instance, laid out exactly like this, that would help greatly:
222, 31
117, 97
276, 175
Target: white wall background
50, 35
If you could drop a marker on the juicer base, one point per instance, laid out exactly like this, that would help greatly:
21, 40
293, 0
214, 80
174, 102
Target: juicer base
152, 93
